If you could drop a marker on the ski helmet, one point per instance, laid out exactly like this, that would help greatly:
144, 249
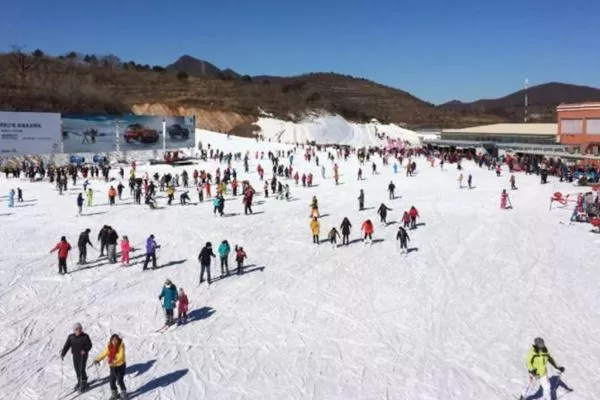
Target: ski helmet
538, 342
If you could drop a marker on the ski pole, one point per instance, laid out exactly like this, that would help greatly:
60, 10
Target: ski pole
98, 379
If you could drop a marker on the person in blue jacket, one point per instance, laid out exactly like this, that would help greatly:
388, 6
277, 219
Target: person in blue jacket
151, 247
168, 295
11, 198
224, 250
80, 203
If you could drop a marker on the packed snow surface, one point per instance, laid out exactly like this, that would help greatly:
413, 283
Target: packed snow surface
330, 129
452, 320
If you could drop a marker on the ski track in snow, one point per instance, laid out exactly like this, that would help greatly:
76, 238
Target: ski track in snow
452, 320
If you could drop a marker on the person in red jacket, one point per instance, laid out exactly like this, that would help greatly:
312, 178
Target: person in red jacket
63, 247
182, 307
413, 213
367, 228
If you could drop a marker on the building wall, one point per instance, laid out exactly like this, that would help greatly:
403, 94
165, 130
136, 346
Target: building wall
499, 138
579, 127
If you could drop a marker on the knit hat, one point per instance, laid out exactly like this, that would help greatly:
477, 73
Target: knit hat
538, 342
77, 325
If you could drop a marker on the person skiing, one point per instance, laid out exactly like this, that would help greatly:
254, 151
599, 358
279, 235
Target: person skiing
82, 242
315, 227
367, 228
102, 238
19, 195
403, 237
537, 359
414, 214
151, 247
332, 236
391, 189
79, 203
11, 198
470, 181
112, 193
111, 245
80, 345
168, 295
513, 185
406, 219
120, 188
504, 201
345, 227
115, 352
184, 198
240, 256
125, 250
204, 257
382, 211
224, 249
314, 207
63, 247
361, 200
460, 180
182, 307
90, 197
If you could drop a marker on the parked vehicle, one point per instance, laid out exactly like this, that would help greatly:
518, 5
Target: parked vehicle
178, 132
140, 133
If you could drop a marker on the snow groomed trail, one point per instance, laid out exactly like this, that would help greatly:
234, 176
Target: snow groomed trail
451, 320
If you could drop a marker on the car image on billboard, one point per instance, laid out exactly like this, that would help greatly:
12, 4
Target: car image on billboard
98, 133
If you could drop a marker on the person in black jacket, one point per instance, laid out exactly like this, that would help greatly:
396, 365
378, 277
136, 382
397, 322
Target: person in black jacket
204, 257
84, 240
391, 189
111, 245
382, 211
345, 227
102, 237
402, 236
80, 345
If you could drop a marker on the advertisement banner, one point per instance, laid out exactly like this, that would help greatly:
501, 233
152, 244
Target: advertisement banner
108, 133
29, 133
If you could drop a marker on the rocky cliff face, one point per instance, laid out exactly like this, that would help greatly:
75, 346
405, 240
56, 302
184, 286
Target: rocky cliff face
211, 120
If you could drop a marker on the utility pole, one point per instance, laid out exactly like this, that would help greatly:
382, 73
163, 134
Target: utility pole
526, 117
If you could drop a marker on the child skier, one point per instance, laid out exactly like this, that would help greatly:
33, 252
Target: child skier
240, 256
125, 250
332, 236
413, 217
182, 307
367, 228
406, 219
537, 359
504, 199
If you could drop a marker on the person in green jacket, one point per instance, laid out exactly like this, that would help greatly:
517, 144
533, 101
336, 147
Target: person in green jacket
90, 196
537, 362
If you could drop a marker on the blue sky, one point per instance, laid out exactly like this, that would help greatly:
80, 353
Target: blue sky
438, 50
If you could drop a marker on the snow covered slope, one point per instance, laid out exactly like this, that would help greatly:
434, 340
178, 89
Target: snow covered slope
331, 129
452, 320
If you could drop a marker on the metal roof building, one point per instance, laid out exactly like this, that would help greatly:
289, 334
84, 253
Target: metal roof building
505, 133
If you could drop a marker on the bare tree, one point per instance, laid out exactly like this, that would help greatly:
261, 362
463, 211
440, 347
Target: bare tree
21, 62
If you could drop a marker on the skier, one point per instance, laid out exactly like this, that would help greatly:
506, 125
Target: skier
406, 219
182, 307
332, 236
102, 238
115, 352
80, 345
90, 197
168, 295
224, 249
151, 247
345, 227
240, 256
120, 188
391, 189
79, 203
403, 237
470, 181
382, 211
413, 213
11, 198
248, 195
112, 193
63, 248
460, 180
367, 228
204, 257
19, 195
361, 200
323, 171
315, 227
125, 250
513, 185
314, 207
82, 242
504, 201
537, 359
170, 194
184, 198
111, 245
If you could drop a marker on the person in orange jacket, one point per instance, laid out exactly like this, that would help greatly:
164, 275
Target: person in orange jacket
112, 193
367, 228
63, 247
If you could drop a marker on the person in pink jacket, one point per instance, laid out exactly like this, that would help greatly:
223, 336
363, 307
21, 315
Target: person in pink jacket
125, 250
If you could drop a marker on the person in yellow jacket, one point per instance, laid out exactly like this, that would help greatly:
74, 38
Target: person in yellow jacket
170, 194
115, 353
537, 362
315, 228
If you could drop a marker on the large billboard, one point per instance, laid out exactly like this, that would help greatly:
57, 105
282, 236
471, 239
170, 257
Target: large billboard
107, 133
29, 133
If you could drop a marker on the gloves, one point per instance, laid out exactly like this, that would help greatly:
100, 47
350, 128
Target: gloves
561, 369
532, 372
96, 362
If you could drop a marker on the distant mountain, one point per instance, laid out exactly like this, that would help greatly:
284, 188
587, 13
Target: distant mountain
195, 67
543, 100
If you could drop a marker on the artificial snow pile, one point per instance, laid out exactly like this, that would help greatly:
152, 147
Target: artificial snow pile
453, 319
332, 129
